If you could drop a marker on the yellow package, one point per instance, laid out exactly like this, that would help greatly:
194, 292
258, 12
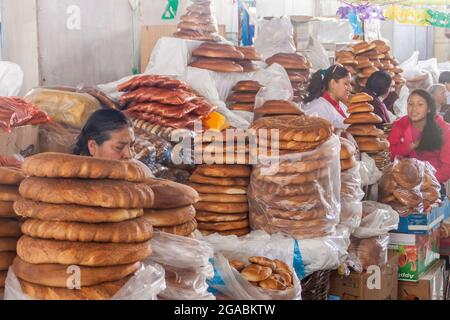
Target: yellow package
216, 121
68, 108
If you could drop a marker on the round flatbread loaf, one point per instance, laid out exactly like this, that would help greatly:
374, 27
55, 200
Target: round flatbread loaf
203, 216
224, 226
57, 275
131, 231
348, 164
348, 149
8, 244
289, 179
170, 217
223, 198
247, 86
290, 145
297, 215
169, 194
6, 259
361, 130
96, 193
9, 193
104, 291
39, 251
224, 171
73, 213
182, 230
238, 232
57, 165
198, 178
363, 118
7, 210
9, 228
288, 190
213, 189
11, 176
222, 207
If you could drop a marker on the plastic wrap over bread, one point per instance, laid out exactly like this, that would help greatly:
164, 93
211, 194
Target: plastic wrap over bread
364, 253
351, 197
378, 219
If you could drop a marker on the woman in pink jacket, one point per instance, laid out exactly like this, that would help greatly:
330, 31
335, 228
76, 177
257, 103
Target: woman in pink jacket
423, 135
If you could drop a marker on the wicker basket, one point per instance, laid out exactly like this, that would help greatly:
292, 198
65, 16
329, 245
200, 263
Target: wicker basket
316, 286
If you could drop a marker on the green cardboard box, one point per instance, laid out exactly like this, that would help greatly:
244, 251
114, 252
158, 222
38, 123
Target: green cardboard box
416, 252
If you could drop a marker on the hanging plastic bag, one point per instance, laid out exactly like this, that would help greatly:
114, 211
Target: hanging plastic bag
378, 219
274, 36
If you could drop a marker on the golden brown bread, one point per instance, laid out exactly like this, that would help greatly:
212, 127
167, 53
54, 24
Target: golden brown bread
203, 28
131, 231
217, 50
240, 97
8, 244
224, 226
362, 47
56, 275
256, 273
360, 108
279, 107
9, 193
348, 163
203, 216
287, 190
9, 228
226, 182
315, 213
236, 232
263, 261
248, 107
170, 217
11, 176
360, 98
363, 118
39, 251
222, 207
217, 65
6, 259
169, 194
224, 171
104, 291
213, 189
296, 128
247, 86
250, 53
7, 210
371, 144
223, 198
408, 198
57, 165
290, 61
407, 173
274, 282
96, 193
73, 213
182, 230
348, 149
238, 265
359, 130
289, 179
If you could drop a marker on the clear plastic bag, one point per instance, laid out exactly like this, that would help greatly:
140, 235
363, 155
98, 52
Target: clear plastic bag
187, 264
367, 252
369, 172
351, 197
11, 79
302, 205
229, 282
68, 108
56, 137
378, 219
274, 36
146, 284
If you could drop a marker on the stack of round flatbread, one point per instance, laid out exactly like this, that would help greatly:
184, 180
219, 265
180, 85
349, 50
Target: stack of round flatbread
10, 179
223, 206
83, 228
243, 96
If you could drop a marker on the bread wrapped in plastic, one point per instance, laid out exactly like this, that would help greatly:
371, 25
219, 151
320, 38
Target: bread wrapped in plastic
56, 137
369, 252
351, 198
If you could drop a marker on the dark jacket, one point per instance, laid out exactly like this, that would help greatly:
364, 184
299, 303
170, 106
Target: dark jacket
379, 108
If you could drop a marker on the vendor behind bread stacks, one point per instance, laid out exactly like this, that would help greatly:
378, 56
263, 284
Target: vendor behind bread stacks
423, 135
327, 92
378, 87
107, 134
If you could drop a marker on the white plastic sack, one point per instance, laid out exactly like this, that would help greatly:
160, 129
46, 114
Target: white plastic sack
351, 197
274, 36
317, 55
370, 174
432, 67
148, 282
11, 79
378, 219
401, 105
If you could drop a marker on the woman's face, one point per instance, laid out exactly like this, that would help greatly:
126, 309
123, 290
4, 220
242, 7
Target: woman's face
118, 147
341, 88
417, 108
440, 96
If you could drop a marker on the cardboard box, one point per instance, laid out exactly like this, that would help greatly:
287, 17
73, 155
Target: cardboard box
22, 140
421, 223
416, 253
367, 286
429, 287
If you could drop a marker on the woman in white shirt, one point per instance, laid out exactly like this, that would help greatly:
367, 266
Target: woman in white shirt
328, 91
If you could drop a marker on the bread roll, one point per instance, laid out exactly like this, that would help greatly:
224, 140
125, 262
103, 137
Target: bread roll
39, 251
360, 108
182, 230
263, 261
363, 118
407, 173
248, 66
224, 226
104, 291
9, 193
373, 54
296, 128
238, 265
223, 198
222, 207
217, 50
248, 107
57, 165
279, 107
247, 86
242, 97
131, 231
409, 198
371, 144
348, 149
198, 178
217, 65
274, 282
360, 130
56, 275
360, 98
96, 193
224, 171
290, 61
7, 210
213, 189
9, 228
11, 176
73, 213
207, 217
6, 259
8, 244
169, 194
256, 273
381, 46
348, 163
250, 53
237, 232
170, 217
362, 47
367, 72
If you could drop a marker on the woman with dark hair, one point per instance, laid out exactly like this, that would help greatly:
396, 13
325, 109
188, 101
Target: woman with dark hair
107, 134
328, 91
378, 87
423, 135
